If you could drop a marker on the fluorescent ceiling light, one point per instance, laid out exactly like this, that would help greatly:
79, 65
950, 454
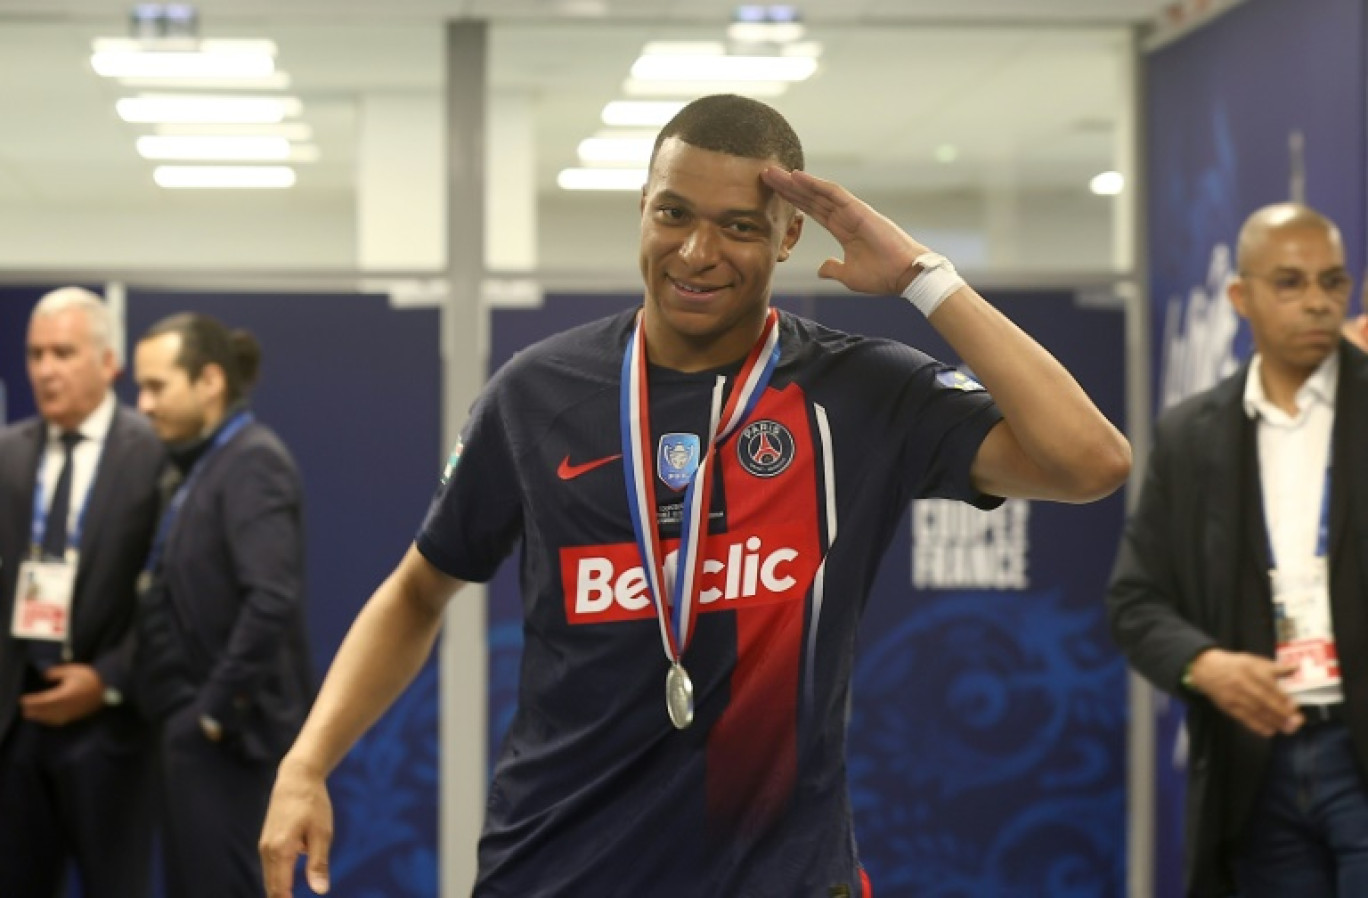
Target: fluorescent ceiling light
764, 32
287, 130
724, 68
277, 80
1109, 183
255, 177
183, 59
215, 109
691, 89
164, 64
616, 150
640, 113
601, 178
241, 148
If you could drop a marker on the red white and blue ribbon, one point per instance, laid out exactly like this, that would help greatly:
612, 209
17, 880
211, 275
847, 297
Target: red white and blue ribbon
675, 611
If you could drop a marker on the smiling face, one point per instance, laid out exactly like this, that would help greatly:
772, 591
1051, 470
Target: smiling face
711, 234
1293, 290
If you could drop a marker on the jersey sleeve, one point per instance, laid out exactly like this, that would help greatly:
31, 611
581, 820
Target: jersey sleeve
475, 517
949, 414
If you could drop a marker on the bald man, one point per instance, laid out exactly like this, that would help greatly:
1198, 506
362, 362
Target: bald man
1242, 582
78, 499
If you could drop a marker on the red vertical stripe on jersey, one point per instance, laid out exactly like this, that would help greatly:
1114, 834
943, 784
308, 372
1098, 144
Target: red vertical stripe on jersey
752, 749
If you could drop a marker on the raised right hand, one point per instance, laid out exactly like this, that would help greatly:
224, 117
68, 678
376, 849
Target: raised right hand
299, 821
1246, 687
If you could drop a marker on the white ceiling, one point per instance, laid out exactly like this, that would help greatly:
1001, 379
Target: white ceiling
1028, 90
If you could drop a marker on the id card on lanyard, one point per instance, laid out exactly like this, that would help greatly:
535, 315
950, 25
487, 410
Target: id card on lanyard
1303, 628
46, 586
42, 607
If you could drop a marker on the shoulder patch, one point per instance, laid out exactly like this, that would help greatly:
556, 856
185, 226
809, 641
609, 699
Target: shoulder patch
451, 461
958, 380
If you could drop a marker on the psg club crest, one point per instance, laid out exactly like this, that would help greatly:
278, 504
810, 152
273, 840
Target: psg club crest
765, 448
678, 459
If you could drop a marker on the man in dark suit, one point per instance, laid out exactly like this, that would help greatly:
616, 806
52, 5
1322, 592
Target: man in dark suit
1240, 585
78, 500
222, 657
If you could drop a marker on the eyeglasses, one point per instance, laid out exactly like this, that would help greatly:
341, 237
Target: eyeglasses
1289, 285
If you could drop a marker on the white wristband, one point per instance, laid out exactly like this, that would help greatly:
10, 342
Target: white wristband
933, 284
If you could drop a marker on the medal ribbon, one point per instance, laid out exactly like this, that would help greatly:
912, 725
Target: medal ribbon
676, 622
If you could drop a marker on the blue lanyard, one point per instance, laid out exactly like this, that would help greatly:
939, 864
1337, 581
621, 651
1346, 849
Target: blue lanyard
1322, 532
173, 508
40, 512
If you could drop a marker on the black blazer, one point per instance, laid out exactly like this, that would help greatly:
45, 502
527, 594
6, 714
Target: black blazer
1192, 573
118, 526
223, 629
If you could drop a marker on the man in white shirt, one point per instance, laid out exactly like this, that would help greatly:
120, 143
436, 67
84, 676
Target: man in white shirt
78, 500
1241, 585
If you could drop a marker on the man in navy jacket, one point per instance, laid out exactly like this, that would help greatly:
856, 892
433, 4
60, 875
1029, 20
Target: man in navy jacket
223, 662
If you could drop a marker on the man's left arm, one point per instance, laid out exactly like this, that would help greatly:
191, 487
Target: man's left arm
1053, 442
264, 525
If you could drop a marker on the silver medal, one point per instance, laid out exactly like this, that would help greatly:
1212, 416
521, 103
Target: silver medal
679, 696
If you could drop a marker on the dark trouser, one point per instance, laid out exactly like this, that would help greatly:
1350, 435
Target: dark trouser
1308, 835
214, 802
67, 793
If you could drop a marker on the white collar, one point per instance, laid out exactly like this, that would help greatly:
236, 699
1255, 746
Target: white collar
1321, 385
96, 425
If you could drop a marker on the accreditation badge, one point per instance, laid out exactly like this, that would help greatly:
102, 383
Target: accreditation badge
1305, 634
42, 600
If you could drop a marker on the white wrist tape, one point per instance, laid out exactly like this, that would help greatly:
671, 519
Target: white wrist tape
934, 284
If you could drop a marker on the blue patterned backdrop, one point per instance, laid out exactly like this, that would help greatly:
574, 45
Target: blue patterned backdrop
987, 736
988, 729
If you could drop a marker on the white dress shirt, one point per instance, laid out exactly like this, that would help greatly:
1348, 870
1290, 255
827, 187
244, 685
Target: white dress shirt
1294, 453
85, 458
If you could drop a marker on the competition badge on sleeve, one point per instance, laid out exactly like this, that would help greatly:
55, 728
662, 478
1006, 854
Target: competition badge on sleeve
958, 380
450, 467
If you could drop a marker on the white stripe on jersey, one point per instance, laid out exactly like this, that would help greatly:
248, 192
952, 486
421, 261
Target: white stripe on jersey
819, 582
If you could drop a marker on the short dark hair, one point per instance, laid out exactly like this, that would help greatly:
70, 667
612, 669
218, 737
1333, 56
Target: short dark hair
206, 340
737, 126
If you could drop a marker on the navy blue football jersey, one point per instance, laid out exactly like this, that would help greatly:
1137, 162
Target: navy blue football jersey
595, 792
